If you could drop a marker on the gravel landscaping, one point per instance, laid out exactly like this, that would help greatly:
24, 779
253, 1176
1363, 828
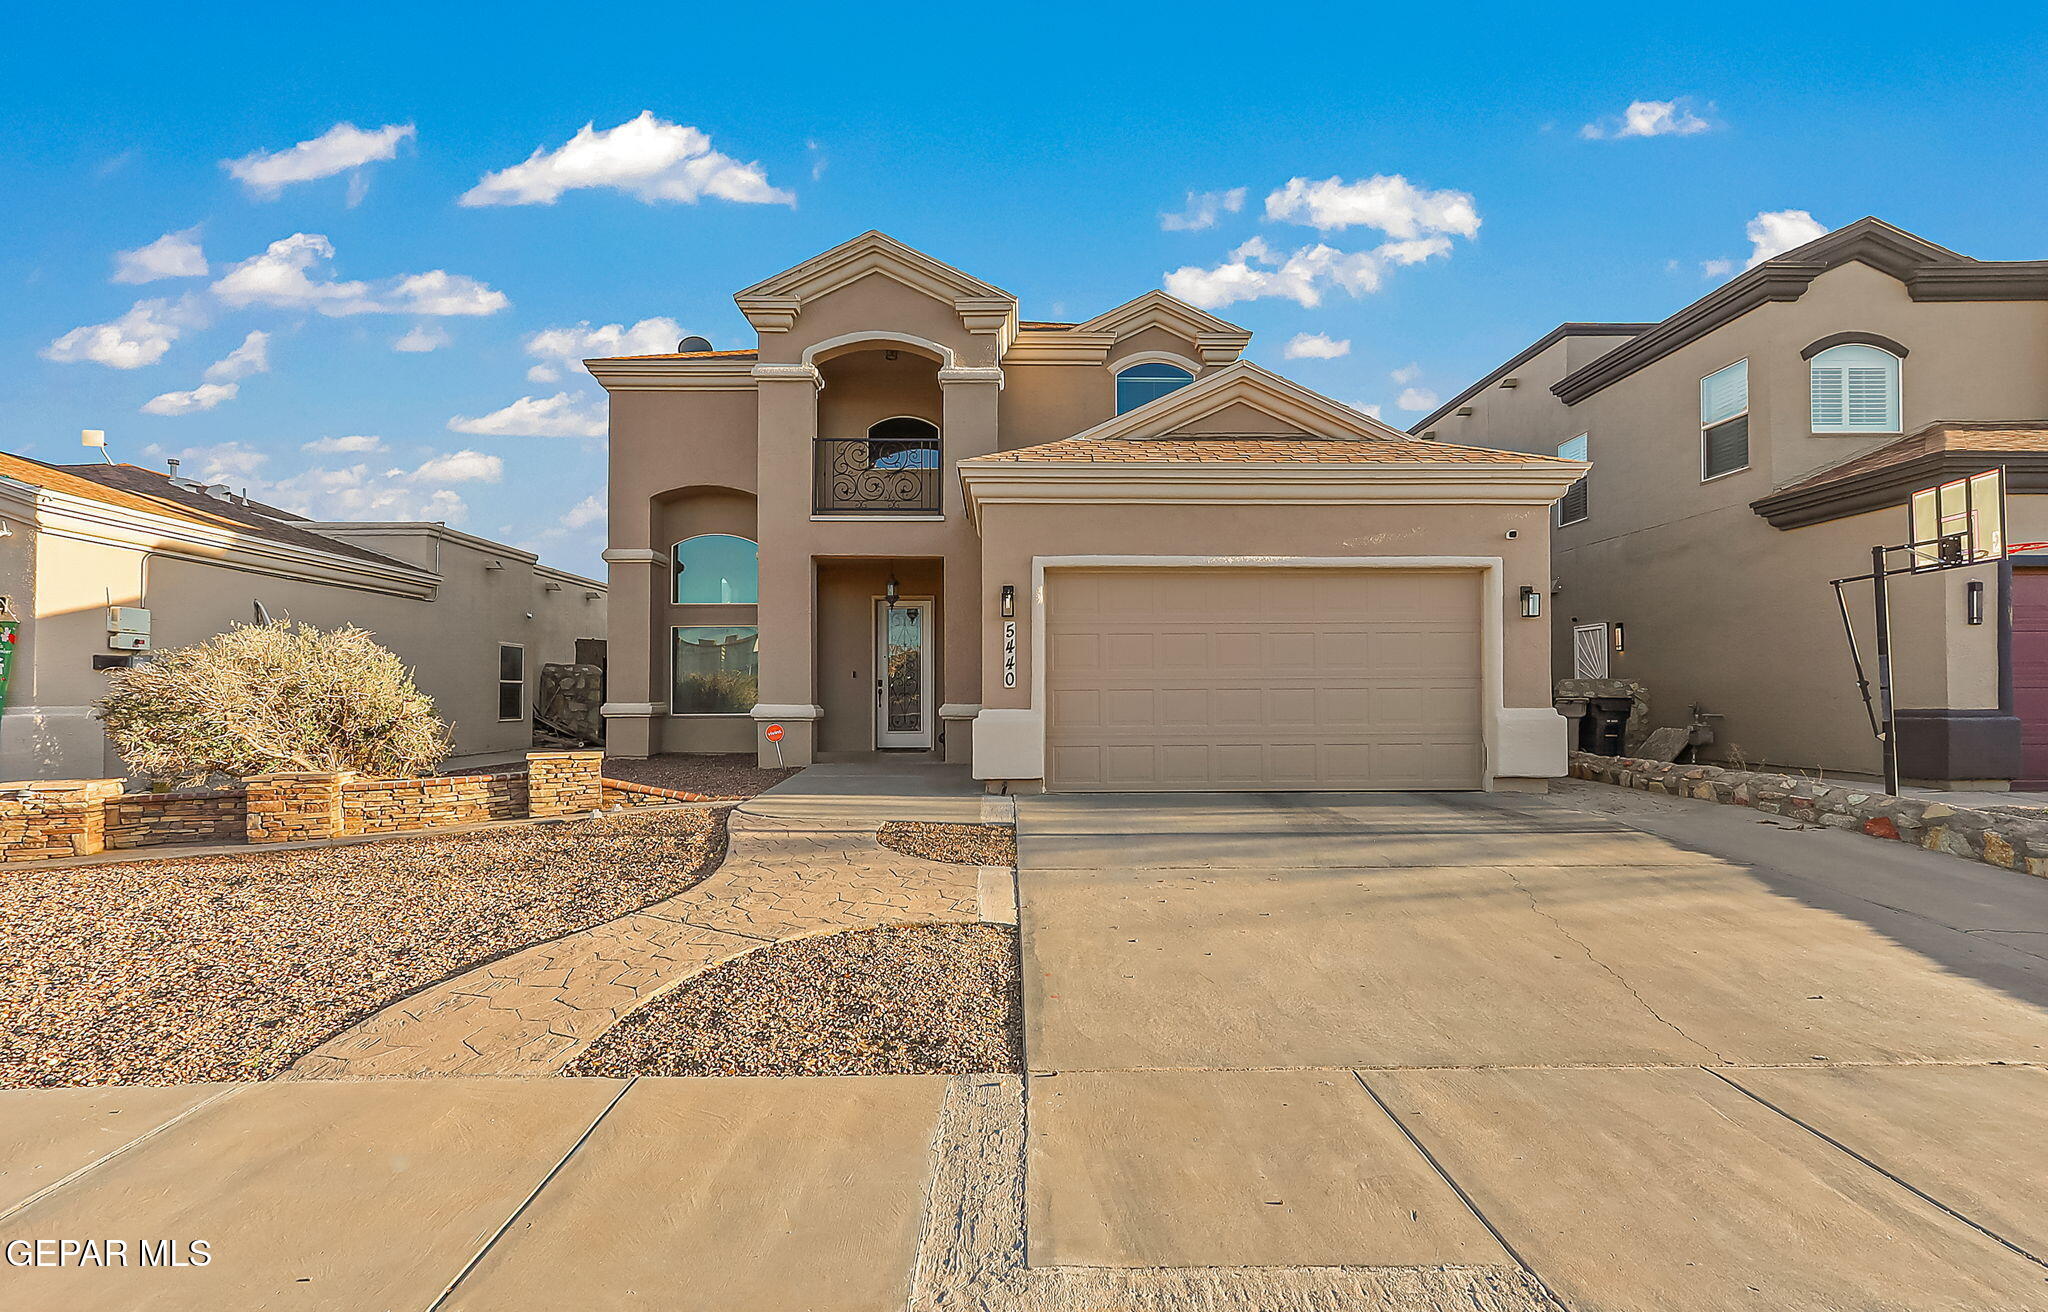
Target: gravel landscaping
896, 1000
967, 845
228, 967
731, 776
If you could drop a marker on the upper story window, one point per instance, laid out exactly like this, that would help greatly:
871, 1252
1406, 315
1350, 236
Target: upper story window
717, 569
1855, 389
1148, 382
894, 470
1724, 421
1571, 507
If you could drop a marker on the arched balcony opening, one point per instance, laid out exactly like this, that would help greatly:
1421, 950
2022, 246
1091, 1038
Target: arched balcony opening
879, 449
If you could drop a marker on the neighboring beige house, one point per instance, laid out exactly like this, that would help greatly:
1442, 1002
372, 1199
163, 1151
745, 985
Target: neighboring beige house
1099, 555
1757, 444
475, 619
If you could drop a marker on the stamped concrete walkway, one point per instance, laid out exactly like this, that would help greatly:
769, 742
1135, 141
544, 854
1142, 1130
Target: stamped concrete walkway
802, 859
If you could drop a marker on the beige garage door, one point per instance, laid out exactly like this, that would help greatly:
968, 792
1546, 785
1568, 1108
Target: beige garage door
1188, 679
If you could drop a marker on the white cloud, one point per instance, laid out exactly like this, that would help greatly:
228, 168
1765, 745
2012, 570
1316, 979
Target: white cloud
558, 349
1388, 202
173, 255
357, 493
1204, 208
203, 397
1418, 398
422, 337
137, 338
1649, 118
222, 462
337, 150
647, 157
1773, 232
1717, 268
459, 467
251, 357
359, 443
560, 415
1365, 407
1255, 270
1407, 373
291, 274
1316, 346
583, 514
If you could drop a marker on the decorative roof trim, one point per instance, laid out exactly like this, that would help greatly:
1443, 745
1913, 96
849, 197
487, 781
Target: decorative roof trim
1930, 272
1526, 354
658, 375
1890, 486
773, 304
1243, 381
1832, 340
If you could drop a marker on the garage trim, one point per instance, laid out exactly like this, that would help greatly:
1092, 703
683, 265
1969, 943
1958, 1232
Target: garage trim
1010, 744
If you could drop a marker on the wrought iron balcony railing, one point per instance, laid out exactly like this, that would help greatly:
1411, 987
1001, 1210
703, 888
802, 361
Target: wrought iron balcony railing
876, 476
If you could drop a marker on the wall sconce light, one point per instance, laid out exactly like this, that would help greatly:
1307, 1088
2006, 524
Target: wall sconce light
1974, 599
1619, 647
1532, 603
1009, 602
889, 592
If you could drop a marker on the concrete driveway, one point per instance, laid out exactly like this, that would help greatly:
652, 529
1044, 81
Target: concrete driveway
1657, 1053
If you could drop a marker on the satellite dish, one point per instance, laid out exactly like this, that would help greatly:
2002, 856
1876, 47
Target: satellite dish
689, 344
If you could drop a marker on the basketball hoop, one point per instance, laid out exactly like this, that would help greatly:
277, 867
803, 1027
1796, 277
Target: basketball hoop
1958, 523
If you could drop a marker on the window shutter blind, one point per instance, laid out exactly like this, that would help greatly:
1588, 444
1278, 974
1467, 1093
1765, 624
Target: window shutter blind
1724, 393
1828, 396
1870, 399
1726, 448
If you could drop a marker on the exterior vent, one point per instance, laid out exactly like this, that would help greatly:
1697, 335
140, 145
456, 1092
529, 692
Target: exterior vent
1462, 411
1510, 382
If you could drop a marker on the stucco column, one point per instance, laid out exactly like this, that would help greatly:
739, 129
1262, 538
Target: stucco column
968, 422
634, 696
788, 409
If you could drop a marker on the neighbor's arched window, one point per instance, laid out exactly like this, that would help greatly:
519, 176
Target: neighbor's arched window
717, 569
1148, 382
1855, 390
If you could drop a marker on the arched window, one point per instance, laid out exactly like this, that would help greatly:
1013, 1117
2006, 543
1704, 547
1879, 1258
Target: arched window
1855, 389
904, 443
717, 569
1148, 382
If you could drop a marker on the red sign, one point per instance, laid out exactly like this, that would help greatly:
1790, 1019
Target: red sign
774, 733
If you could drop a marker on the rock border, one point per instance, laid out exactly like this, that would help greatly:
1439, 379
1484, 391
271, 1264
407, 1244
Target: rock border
2009, 842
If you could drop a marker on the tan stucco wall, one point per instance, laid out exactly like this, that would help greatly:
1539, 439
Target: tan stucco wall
846, 642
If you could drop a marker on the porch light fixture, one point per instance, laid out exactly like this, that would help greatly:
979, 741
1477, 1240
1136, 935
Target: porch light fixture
1618, 647
890, 590
1532, 603
1974, 600
1009, 602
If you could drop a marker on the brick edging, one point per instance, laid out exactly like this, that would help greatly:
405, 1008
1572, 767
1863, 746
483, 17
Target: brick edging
673, 794
2008, 842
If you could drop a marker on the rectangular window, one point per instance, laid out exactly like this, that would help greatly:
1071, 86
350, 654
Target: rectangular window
1724, 421
511, 681
714, 670
1571, 507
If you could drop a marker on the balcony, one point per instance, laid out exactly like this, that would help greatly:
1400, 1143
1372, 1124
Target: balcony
876, 476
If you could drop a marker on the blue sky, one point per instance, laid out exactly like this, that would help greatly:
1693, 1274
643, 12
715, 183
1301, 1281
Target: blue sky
1443, 185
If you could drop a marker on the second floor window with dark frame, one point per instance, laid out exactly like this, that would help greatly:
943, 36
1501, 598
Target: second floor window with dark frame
1571, 507
1724, 421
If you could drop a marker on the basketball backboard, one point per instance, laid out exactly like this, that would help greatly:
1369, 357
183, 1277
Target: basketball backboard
1959, 522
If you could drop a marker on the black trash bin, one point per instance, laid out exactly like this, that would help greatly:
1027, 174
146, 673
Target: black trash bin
1604, 726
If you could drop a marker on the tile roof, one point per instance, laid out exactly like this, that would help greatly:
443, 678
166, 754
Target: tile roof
1224, 448
1047, 325
135, 488
745, 354
1939, 438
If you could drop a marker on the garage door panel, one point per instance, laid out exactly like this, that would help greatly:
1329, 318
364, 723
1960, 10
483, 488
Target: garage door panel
1250, 678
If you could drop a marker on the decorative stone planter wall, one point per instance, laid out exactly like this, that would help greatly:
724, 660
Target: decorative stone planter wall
1996, 838
564, 783
55, 818
154, 819
80, 817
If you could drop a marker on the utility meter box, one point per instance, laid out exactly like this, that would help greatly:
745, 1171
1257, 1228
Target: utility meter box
127, 628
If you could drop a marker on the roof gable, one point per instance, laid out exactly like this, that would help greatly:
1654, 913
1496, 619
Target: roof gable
1243, 384
1218, 340
773, 304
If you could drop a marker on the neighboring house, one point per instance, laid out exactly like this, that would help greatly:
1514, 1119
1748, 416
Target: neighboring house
1757, 444
1099, 555
475, 619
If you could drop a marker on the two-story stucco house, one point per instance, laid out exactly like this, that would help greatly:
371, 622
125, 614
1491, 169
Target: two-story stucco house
1756, 445
1099, 555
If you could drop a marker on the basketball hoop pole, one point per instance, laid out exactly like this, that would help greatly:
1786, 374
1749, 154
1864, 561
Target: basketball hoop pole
1888, 735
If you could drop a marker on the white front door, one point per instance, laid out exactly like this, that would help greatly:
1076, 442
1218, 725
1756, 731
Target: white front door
903, 674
